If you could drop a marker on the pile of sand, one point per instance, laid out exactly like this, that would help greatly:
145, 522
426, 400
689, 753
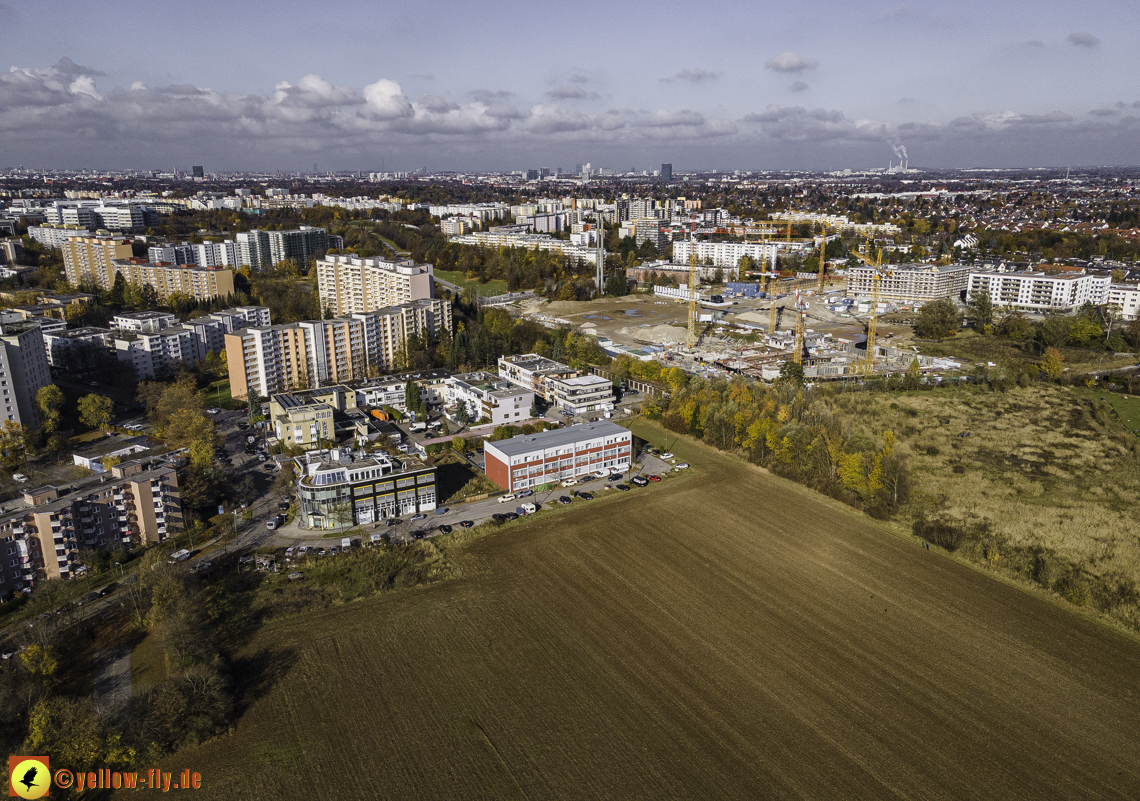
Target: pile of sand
664, 334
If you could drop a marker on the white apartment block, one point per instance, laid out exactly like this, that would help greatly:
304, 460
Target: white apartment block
59, 344
351, 284
200, 283
534, 372
910, 283
510, 239
1038, 292
173, 254
156, 354
1125, 297
483, 212
727, 255
582, 395
148, 321
55, 236
531, 460
839, 222
23, 370
458, 226
486, 396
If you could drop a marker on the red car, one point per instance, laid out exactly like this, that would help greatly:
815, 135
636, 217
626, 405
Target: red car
654, 478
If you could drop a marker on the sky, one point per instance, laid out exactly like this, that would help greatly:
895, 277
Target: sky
358, 85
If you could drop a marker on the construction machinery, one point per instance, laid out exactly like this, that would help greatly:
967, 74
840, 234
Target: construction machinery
798, 351
693, 337
822, 256
872, 322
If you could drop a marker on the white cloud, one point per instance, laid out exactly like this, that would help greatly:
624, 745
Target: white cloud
798, 86
385, 100
790, 62
491, 96
1083, 40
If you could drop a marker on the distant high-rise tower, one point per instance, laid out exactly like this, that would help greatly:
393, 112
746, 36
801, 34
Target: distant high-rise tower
666, 172
197, 172
532, 175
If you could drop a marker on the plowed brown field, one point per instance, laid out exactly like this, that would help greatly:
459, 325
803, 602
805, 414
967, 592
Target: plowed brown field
727, 635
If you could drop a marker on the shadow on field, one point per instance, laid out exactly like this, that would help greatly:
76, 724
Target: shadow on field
255, 674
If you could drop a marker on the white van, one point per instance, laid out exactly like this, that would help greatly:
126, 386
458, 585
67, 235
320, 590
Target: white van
346, 544
529, 508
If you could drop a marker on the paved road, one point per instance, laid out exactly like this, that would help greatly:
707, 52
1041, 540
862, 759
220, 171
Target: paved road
113, 677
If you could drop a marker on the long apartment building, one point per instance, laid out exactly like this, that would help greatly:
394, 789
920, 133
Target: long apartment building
580, 254
530, 460
1038, 292
24, 370
727, 255
351, 284
200, 283
910, 283
1126, 298
560, 385
255, 248
137, 502
91, 259
268, 359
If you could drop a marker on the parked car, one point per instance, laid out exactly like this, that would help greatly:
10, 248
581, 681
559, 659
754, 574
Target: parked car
110, 588
304, 549
639, 481
564, 499
393, 521
86, 599
289, 552
19, 477
681, 465
585, 496
527, 509
512, 515
570, 482
445, 529
333, 550
416, 517
615, 476
622, 487
526, 493
666, 455
442, 510
654, 478
466, 523
508, 497
271, 524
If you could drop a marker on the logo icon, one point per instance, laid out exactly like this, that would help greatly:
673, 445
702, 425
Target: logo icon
28, 776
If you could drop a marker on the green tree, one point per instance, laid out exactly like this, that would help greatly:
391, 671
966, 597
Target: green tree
980, 310
938, 319
12, 444
792, 373
118, 294
617, 285
49, 400
95, 410
461, 414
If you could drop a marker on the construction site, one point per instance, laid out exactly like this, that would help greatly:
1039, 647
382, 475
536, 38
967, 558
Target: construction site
807, 320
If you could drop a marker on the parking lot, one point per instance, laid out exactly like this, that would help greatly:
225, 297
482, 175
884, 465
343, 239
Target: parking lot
475, 512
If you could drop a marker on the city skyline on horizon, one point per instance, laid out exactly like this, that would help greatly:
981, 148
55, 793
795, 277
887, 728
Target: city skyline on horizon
816, 88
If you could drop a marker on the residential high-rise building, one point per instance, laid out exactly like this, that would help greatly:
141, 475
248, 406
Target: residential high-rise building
200, 283
173, 254
136, 502
253, 248
351, 284
23, 370
666, 172
90, 259
300, 245
197, 172
267, 359
386, 330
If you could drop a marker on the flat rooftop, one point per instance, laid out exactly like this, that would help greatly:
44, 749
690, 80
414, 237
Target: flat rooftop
525, 443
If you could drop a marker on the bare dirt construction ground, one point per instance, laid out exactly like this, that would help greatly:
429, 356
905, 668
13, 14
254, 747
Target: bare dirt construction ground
725, 635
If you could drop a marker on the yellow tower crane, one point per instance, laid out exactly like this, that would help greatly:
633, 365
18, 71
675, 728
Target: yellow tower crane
772, 310
872, 321
692, 337
822, 257
798, 353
